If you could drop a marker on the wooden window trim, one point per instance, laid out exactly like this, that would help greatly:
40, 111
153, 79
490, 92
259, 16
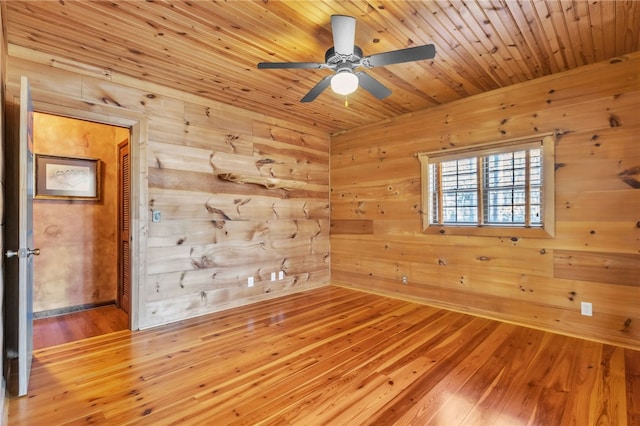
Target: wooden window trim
547, 142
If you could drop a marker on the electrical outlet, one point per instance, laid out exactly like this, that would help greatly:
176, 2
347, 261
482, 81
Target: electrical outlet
404, 280
250, 281
155, 216
273, 276
281, 275
586, 309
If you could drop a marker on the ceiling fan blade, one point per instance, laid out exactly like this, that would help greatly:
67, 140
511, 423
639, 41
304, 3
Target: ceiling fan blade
317, 89
344, 33
372, 85
279, 65
410, 54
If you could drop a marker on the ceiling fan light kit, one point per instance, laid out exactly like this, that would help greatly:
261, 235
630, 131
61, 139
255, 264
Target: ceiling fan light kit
344, 82
345, 57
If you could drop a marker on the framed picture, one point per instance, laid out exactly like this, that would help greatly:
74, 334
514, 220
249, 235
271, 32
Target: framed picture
67, 178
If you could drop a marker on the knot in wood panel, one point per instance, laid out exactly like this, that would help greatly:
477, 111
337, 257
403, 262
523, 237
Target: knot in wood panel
246, 170
614, 121
203, 263
631, 177
216, 211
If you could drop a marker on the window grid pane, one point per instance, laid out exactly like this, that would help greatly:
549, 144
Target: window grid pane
459, 191
503, 181
504, 189
434, 193
535, 197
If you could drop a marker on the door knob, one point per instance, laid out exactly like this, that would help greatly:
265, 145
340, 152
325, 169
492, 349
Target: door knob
23, 252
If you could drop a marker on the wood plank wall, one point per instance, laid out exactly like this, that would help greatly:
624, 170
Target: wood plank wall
595, 256
214, 233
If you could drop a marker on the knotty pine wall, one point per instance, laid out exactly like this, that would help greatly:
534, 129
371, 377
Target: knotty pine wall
376, 223
214, 233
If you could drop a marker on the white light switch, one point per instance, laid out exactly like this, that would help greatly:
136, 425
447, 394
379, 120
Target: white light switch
155, 216
281, 275
250, 281
273, 276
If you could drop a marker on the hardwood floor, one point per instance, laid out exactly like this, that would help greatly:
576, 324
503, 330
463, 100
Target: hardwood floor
79, 325
333, 356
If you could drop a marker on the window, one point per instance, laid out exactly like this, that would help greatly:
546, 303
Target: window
501, 189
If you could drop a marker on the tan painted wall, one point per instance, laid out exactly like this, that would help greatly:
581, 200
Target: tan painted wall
214, 232
77, 238
594, 257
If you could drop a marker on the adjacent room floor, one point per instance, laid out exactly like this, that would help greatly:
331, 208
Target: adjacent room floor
333, 356
78, 325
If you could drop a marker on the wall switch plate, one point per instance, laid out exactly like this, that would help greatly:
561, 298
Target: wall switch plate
250, 281
273, 276
586, 309
155, 216
281, 275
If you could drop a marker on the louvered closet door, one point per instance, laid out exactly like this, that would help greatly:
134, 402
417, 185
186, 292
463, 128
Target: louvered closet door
124, 255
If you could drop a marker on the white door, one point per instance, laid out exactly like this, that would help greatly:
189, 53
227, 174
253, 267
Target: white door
24, 252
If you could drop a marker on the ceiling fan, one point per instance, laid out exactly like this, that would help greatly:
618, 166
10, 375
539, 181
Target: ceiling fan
345, 57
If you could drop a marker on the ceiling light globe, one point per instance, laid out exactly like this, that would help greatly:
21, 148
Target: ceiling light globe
344, 83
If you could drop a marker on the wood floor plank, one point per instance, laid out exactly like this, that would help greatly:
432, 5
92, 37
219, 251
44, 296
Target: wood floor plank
483, 365
609, 403
632, 375
332, 356
55, 330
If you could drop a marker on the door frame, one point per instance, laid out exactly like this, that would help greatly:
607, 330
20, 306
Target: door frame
137, 125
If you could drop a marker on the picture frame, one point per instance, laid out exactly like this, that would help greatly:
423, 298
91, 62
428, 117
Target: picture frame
68, 178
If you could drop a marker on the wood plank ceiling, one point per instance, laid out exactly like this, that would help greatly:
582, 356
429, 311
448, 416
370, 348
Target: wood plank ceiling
212, 48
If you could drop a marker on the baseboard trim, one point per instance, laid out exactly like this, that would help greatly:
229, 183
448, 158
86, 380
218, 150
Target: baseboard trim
70, 309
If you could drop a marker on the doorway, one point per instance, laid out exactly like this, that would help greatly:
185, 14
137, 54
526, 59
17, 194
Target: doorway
78, 278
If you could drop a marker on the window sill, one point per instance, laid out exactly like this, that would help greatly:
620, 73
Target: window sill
488, 231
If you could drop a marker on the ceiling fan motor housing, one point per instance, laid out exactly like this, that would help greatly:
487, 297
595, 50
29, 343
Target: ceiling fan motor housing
333, 59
